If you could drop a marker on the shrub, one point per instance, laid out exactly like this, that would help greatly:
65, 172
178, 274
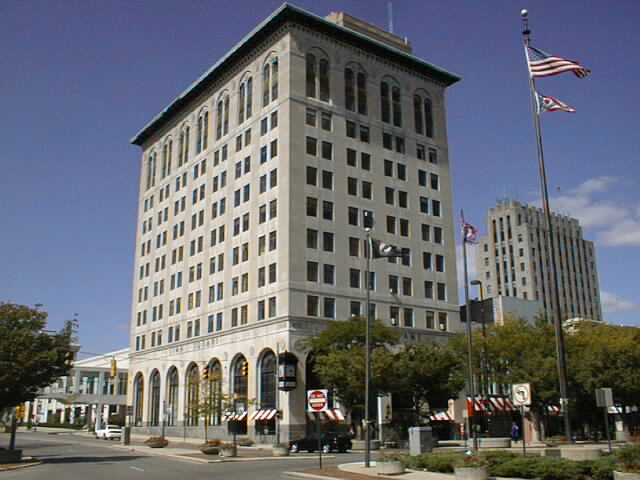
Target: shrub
499, 456
215, 442
244, 441
470, 460
434, 462
543, 468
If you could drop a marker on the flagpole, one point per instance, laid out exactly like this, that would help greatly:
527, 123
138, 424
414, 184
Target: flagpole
367, 357
472, 387
556, 308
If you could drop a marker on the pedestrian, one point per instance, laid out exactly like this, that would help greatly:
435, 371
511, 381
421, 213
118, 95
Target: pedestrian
515, 432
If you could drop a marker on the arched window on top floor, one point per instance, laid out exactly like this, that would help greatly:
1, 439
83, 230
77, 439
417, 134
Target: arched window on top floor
390, 103
423, 114
317, 78
183, 154
151, 170
222, 120
203, 132
167, 150
270, 81
245, 99
355, 90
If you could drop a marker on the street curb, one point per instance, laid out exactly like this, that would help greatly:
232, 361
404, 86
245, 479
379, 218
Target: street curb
309, 476
18, 467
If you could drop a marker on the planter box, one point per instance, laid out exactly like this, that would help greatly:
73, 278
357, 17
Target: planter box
10, 456
210, 450
280, 451
471, 473
494, 442
229, 451
389, 468
360, 444
626, 476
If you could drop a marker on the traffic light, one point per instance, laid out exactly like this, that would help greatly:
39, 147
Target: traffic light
114, 368
68, 358
205, 372
245, 369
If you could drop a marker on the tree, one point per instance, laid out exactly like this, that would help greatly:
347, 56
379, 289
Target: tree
340, 360
30, 357
519, 352
604, 356
429, 374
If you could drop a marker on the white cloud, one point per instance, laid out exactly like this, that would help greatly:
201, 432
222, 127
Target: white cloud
614, 223
594, 185
612, 303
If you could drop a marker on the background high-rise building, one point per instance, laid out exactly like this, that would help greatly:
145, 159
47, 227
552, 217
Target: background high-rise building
254, 185
513, 260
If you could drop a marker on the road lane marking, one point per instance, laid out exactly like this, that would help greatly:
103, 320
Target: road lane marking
136, 468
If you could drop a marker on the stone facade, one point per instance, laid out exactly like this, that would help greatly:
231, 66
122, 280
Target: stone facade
250, 225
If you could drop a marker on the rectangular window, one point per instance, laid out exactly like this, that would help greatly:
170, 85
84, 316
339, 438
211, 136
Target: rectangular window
327, 210
352, 157
311, 117
327, 180
421, 152
433, 156
428, 289
354, 247
325, 121
352, 186
351, 129
327, 241
404, 227
327, 150
312, 176
312, 271
435, 182
365, 161
391, 224
408, 317
261, 310
366, 190
329, 307
352, 216
355, 308
354, 278
328, 274
387, 141
437, 234
435, 206
274, 148
389, 195
424, 205
364, 134
441, 291
272, 307
312, 305
312, 146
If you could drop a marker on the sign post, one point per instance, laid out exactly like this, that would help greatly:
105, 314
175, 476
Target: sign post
604, 398
521, 395
317, 402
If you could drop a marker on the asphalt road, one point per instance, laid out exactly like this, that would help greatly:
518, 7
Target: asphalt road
73, 457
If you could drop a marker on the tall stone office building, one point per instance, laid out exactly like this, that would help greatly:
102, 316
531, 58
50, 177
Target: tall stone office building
254, 184
513, 260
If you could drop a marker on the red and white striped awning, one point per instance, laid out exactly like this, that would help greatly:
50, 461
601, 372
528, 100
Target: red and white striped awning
233, 416
553, 410
335, 415
440, 417
479, 404
491, 404
502, 404
264, 414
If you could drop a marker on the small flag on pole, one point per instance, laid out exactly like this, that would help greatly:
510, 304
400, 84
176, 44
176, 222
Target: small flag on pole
550, 104
542, 64
381, 249
469, 232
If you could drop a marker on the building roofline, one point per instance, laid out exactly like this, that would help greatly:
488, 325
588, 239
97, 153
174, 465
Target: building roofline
286, 12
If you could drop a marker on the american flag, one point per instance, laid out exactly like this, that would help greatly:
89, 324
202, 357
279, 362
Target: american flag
550, 104
542, 64
469, 232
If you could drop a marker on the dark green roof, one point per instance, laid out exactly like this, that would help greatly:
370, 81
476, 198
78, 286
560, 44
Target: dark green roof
287, 13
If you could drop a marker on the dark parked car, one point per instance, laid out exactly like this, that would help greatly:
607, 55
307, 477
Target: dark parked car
331, 442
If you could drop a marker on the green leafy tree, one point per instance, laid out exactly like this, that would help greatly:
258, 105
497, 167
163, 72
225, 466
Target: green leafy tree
519, 352
30, 357
339, 356
603, 356
429, 374
210, 401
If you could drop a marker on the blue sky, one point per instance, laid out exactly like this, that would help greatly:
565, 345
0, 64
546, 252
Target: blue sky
81, 77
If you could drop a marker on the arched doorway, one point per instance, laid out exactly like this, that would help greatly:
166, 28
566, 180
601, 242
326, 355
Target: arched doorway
239, 389
267, 393
154, 389
172, 396
193, 395
138, 399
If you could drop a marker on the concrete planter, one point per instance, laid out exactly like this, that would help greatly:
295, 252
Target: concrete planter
494, 442
10, 456
360, 444
229, 451
280, 451
394, 467
625, 476
471, 473
210, 449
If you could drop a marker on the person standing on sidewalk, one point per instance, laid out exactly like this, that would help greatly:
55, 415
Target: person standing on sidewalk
515, 432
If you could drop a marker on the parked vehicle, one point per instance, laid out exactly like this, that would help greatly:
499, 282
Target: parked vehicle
331, 442
109, 432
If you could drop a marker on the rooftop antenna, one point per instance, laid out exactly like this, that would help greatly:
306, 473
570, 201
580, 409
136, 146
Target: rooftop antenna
390, 9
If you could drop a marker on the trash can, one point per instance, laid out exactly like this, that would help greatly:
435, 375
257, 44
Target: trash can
420, 440
126, 436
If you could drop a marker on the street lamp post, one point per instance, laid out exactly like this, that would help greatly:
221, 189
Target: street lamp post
484, 385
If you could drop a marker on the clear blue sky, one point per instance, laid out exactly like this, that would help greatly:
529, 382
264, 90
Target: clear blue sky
79, 78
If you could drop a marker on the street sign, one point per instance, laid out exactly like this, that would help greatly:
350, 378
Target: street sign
521, 393
317, 400
604, 397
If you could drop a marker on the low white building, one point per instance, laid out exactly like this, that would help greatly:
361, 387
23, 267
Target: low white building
88, 395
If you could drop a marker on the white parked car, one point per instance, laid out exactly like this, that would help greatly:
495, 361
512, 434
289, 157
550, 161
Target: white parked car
109, 432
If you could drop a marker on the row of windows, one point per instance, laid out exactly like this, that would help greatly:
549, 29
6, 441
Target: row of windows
245, 110
326, 307
317, 85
